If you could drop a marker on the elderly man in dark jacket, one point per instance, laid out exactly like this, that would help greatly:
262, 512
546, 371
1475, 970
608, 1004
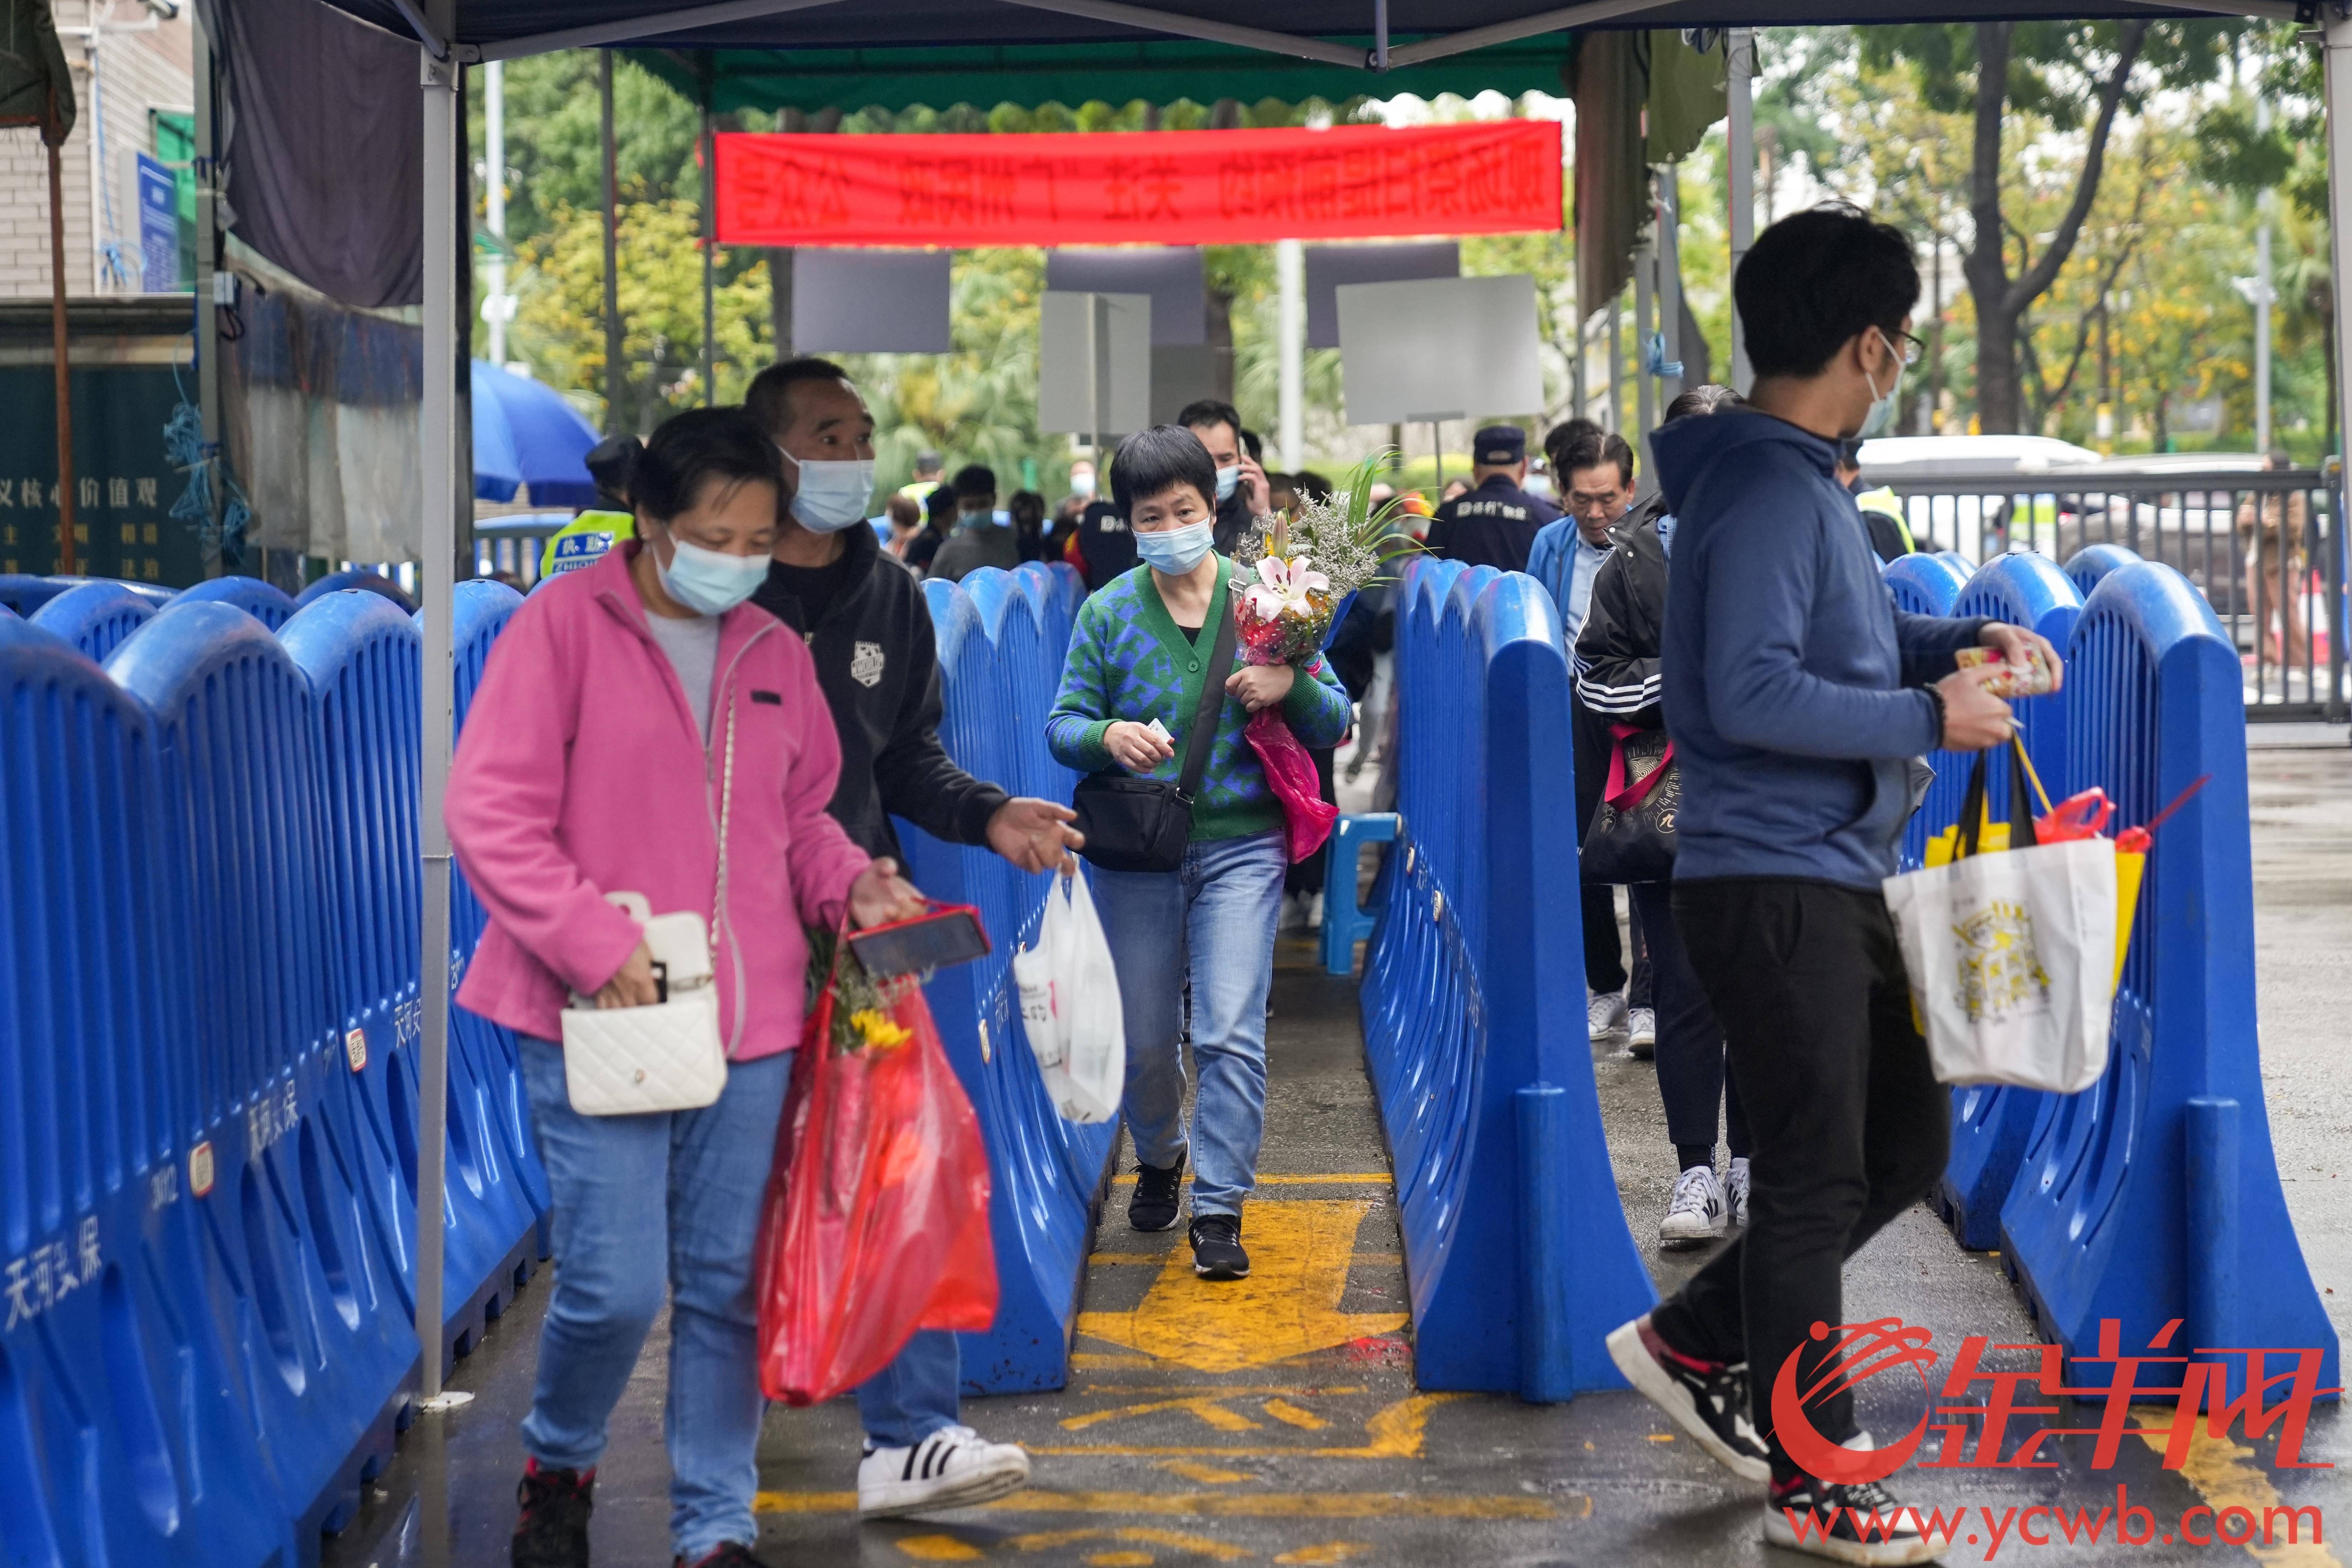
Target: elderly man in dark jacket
869, 632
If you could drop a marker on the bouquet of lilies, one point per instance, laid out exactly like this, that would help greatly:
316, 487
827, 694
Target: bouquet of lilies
1309, 564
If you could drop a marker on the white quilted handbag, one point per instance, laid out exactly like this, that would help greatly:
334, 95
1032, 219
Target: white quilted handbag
634, 1062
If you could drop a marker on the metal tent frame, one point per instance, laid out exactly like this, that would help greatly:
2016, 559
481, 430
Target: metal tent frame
1328, 32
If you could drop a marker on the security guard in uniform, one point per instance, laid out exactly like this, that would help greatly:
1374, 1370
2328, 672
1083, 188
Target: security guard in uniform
1881, 513
1496, 521
584, 541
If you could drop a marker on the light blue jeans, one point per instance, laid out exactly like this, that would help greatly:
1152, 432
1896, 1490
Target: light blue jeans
916, 1394
1216, 914
646, 1206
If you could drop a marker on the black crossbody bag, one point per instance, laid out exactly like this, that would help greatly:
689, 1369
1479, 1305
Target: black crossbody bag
1143, 824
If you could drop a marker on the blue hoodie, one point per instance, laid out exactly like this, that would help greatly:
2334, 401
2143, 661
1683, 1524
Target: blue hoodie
1791, 677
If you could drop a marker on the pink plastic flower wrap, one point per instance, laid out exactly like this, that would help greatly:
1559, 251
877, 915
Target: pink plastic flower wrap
1290, 772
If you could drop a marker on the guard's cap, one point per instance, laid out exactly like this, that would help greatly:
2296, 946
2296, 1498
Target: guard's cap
1499, 443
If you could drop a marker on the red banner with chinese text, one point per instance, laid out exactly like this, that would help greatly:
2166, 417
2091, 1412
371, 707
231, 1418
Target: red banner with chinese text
1150, 187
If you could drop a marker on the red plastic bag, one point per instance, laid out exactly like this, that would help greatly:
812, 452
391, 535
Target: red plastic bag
1290, 772
877, 1214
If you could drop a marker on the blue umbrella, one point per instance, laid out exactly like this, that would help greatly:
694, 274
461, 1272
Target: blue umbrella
525, 434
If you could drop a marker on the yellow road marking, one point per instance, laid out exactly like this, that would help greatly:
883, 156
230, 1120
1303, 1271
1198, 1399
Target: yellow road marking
1120, 1560
940, 1549
1662, 1437
1328, 1552
1301, 1255
1206, 1408
1104, 1361
1175, 1541
1397, 1432
1219, 1390
1283, 1410
1352, 1179
1230, 1505
2219, 1471
1207, 1475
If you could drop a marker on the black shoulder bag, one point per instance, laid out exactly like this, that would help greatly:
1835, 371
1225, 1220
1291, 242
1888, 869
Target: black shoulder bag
1143, 824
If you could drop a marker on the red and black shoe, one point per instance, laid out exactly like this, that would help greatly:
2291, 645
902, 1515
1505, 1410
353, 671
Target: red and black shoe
554, 1529
1708, 1399
729, 1555
1863, 1523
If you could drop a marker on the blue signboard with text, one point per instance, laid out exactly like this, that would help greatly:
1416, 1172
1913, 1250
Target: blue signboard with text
159, 227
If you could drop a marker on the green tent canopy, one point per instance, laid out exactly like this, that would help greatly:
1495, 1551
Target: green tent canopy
1159, 71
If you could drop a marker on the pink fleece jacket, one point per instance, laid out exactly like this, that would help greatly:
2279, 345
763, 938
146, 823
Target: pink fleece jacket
582, 772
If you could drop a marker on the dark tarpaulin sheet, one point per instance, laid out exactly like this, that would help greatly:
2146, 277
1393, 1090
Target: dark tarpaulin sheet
33, 67
323, 148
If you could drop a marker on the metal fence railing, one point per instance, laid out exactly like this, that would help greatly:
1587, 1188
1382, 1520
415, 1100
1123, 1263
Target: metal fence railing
2265, 549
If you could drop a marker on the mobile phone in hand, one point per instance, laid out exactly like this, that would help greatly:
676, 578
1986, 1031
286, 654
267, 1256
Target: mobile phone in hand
946, 936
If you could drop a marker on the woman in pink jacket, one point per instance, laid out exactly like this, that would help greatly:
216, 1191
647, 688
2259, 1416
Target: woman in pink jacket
593, 762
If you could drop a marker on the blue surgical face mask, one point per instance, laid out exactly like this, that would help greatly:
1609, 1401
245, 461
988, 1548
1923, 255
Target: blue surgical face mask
1228, 480
1176, 550
832, 493
1881, 409
709, 581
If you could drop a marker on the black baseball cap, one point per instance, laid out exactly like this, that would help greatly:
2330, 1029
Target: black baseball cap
1500, 444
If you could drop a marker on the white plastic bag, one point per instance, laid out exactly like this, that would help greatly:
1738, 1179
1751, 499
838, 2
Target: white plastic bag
1070, 1006
2011, 958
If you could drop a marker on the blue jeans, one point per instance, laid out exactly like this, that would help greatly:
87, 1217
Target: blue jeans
1216, 914
644, 1206
916, 1394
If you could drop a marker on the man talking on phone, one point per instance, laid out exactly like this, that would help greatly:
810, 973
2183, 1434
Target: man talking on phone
869, 632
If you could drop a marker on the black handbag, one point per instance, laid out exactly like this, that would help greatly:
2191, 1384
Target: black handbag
1143, 824
1631, 839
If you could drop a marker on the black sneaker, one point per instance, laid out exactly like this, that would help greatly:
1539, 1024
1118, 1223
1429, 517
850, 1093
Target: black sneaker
1217, 1247
1858, 1523
554, 1529
1708, 1399
729, 1555
1154, 1207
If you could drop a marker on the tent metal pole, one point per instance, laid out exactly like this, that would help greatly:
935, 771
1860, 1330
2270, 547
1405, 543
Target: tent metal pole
1290, 315
1379, 35
1739, 152
1218, 32
664, 24
437, 437
1646, 265
2336, 35
709, 253
1670, 279
1586, 16
614, 377
207, 324
60, 346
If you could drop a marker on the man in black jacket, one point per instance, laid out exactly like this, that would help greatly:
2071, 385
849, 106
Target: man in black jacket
1242, 494
1619, 682
869, 633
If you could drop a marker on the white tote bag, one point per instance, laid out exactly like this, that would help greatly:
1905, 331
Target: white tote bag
1070, 1006
2011, 958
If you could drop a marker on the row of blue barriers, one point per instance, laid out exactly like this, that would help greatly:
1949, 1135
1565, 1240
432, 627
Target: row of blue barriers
208, 1074
2152, 1196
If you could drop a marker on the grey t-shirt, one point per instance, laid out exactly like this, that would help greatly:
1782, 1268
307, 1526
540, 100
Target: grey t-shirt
974, 546
692, 645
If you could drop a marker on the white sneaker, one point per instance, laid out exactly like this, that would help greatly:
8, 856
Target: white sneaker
1697, 1213
1737, 1188
1315, 912
1641, 1030
1604, 1012
953, 1467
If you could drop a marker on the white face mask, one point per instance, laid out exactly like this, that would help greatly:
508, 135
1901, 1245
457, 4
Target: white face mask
1882, 407
1227, 479
710, 581
1082, 484
832, 494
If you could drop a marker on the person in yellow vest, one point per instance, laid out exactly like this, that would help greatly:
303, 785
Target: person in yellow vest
582, 541
1881, 513
929, 466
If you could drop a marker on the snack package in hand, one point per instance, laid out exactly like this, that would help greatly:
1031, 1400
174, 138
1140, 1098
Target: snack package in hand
2030, 679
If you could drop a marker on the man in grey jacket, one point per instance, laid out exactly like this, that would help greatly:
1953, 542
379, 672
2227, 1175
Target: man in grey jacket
1794, 693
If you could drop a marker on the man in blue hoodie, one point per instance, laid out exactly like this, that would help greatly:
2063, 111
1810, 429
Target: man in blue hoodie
1795, 692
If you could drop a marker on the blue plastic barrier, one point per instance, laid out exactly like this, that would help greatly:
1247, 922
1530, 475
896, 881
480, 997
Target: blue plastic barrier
25, 593
355, 577
1990, 1123
1515, 1244
296, 1283
2088, 565
95, 617
363, 658
1347, 920
481, 611
262, 600
1001, 637
2110, 1215
1958, 563
128, 1439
